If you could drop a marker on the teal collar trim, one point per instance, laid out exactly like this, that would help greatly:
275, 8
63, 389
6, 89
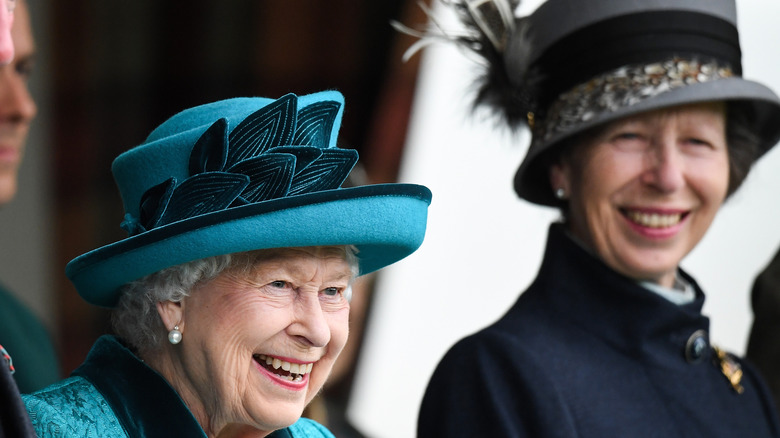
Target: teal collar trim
142, 400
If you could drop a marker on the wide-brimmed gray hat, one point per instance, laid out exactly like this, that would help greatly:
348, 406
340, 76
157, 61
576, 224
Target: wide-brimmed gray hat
572, 65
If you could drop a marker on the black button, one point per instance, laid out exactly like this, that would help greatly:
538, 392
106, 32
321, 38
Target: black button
697, 346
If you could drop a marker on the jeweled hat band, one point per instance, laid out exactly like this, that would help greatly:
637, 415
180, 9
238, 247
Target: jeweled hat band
639, 38
622, 88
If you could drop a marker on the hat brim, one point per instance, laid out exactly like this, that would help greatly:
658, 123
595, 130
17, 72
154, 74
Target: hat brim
385, 222
532, 178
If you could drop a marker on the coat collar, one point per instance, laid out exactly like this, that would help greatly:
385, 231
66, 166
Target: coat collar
615, 308
144, 402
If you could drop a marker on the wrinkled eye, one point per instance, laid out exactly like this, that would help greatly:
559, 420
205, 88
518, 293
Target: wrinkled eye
279, 284
331, 291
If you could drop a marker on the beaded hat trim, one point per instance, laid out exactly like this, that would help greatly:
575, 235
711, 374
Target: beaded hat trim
621, 88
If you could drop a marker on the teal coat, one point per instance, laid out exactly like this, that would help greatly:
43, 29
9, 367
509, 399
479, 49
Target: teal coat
113, 394
29, 344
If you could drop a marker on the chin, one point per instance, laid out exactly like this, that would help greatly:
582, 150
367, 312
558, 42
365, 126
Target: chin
7, 188
278, 419
6, 196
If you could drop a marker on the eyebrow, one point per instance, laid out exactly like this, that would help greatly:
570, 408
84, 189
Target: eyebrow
279, 266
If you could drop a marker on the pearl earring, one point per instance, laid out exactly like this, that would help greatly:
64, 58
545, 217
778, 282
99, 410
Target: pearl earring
560, 193
174, 336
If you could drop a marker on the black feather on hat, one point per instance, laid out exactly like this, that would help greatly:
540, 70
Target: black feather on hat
572, 65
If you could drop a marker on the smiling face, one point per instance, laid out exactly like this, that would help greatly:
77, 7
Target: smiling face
259, 343
646, 188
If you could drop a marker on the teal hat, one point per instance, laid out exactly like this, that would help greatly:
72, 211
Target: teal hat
244, 174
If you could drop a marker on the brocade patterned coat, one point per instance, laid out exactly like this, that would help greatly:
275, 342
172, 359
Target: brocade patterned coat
114, 395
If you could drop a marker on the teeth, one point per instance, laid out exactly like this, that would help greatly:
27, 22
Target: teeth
654, 220
297, 370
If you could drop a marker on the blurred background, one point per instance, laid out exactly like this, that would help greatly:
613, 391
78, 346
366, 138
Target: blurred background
107, 73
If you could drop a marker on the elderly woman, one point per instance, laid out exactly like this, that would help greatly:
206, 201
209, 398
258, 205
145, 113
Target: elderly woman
231, 295
641, 127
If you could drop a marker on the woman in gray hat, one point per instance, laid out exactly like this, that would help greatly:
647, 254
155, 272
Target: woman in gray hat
642, 126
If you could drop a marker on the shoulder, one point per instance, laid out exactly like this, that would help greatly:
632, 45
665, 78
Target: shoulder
71, 407
508, 369
523, 336
306, 428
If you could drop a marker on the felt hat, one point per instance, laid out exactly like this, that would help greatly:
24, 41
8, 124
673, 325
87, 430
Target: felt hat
572, 65
244, 174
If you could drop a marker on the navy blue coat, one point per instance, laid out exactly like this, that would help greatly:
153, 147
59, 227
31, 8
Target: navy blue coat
586, 352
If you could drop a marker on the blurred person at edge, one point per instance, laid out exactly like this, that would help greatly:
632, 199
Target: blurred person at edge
16, 110
7, 10
642, 126
21, 332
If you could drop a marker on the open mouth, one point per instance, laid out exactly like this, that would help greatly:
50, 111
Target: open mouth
292, 372
654, 219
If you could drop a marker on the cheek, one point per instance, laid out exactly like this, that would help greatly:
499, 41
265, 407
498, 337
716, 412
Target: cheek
338, 324
595, 185
232, 325
339, 327
711, 182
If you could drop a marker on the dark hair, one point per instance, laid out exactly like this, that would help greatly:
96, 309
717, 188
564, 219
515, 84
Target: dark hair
743, 146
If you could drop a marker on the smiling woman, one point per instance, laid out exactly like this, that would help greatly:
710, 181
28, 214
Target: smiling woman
263, 330
641, 127
643, 190
231, 294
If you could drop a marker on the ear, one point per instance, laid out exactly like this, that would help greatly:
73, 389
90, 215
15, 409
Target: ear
560, 176
171, 314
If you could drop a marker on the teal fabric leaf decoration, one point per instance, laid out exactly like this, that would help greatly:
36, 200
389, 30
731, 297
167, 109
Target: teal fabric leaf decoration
270, 126
276, 151
326, 173
203, 193
210, 151
304, 155
270, 176
154, 202
315, 123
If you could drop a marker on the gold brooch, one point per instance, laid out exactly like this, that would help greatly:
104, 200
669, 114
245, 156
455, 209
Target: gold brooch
730, 368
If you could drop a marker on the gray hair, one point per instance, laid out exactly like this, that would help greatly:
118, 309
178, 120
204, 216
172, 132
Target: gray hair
136, 320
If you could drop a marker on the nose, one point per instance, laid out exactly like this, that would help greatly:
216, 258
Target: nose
665, 168
309, 325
